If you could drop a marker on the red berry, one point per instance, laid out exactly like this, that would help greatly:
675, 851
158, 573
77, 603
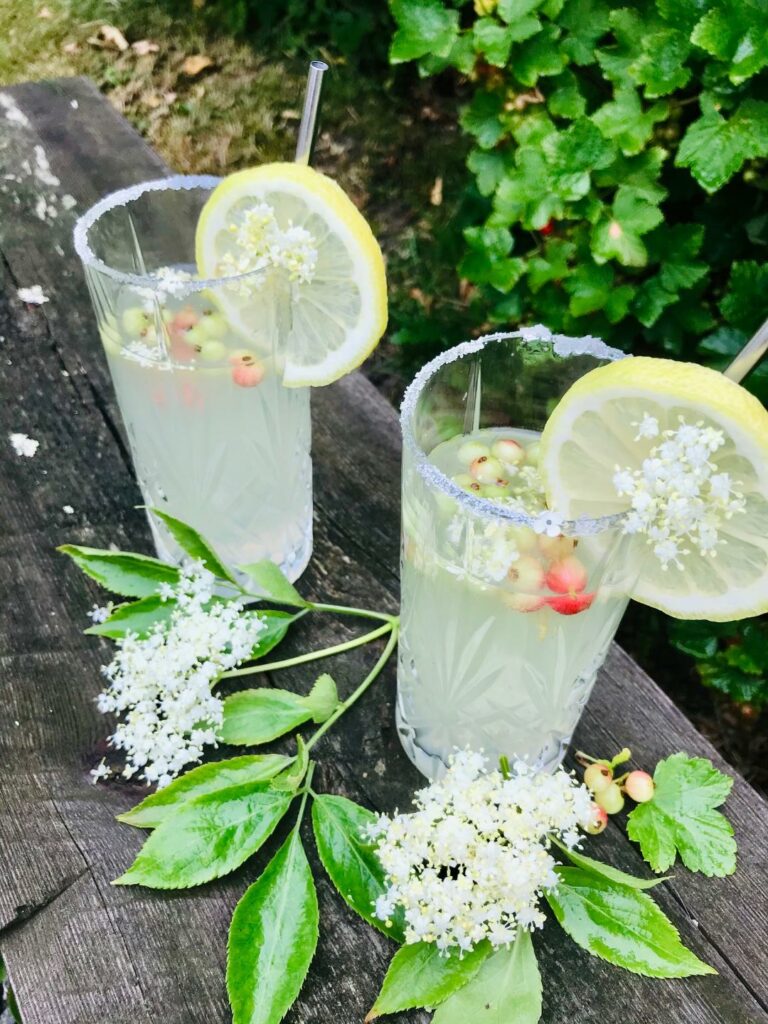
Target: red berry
639, 786
548, 228
184, 319
570, 604
567, 577
599, 821
247, 376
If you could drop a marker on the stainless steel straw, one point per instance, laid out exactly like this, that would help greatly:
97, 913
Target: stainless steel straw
308, 126
750, 355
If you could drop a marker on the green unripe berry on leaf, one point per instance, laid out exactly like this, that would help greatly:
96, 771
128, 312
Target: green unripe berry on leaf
611, 799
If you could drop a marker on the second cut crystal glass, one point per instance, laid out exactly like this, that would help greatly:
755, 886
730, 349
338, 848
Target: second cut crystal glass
217, 440
506, 614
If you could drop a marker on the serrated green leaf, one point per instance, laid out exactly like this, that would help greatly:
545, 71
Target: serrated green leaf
351, 860
581, 147
323, 699
138, 618
647, 51
715, 148
641, 173
514, 10
506, 990
122, 572
618, 303
207, 837
272, 583
489, 168
493, 40
564, 97
621, 925
589, 287
735, 31
252, 717
193, 544
586, 21
651, 299
482, 118
596, 867
743, 304
526, 195
486, 261
420, 975
206, 778
461, 56
277, 625
698, 639
624, 120
681, 818
538, 56
618, 236
272, 938
423, 27
552, 265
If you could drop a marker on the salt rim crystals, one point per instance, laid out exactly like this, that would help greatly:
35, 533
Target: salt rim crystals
473, 860
160, 685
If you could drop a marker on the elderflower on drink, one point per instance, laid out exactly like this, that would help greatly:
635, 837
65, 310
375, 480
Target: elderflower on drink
472, 861
160, 684
676, 497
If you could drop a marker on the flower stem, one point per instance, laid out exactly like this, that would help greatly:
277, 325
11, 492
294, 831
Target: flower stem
300, 659
305, 791
372, 675
363, 613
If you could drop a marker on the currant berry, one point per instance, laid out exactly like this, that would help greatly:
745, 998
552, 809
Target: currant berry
523, 602
510, 452
599, 821
134, 321
487, 470
570, 604
567, 576
639, 786
524, 538
526, 574
247, 375
470, 451
555, 548
598, 777
611, 799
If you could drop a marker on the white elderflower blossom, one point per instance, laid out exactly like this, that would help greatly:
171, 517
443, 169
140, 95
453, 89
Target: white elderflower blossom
473, 859
160, 685
549, 523
259, 243
676, 497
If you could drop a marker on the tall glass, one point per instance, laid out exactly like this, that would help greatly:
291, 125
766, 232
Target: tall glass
217, 439
491, 657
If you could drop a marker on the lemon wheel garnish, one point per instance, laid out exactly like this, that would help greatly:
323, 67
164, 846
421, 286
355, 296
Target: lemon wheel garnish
337, 315
593, 431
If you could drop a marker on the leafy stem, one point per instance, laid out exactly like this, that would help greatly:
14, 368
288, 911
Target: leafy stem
301, 659
353, 697
363, 613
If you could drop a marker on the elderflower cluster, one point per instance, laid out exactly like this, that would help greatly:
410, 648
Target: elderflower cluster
160, 685
472, 861
260, 244
677, 497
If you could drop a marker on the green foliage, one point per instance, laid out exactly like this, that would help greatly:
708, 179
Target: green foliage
122, 572
622, 925
252, 717
681, 818
597, 867
420, 974
732, 657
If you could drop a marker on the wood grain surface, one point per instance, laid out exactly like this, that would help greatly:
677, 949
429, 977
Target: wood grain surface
80, 951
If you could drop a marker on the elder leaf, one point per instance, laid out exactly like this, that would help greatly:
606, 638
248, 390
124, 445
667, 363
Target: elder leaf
681, 818
420, 975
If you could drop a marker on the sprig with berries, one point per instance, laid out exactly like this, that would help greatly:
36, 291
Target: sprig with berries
460, 883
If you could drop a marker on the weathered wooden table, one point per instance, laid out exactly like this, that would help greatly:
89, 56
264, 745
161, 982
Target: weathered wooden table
79, 951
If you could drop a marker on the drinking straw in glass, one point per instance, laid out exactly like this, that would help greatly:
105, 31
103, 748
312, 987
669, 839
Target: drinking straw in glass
507, 611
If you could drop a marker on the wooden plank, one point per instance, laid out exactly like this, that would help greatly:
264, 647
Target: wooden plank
79, 950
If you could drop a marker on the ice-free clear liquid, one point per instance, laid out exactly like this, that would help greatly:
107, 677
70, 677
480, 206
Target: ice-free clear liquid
491, 657
217, 440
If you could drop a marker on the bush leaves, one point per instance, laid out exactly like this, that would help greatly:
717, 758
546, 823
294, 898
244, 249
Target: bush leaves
272, 583
420, 975
206, 778
681, 818
122, 572
207, 837
196, 546
272, 938
621, 925
506, 990
349, 859
597, 867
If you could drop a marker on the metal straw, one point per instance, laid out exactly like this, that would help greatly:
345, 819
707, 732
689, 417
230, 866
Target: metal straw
750, 355
308, 126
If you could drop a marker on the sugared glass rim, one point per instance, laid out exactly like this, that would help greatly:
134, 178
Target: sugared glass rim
123, 196
482, 507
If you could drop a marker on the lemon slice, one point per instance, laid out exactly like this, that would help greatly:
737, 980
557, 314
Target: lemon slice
593, 431
337, 315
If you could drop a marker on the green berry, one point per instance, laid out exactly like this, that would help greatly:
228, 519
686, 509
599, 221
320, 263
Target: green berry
213, 351
611, 799
134, 321
470, 451
532, 453
214, 325
487, 470
598, 777
195, 337
492, 491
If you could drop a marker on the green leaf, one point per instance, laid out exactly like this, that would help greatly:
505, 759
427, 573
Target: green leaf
272, 583
618, 303
527, 194
486, 261
698, 639
618, 236
506, 990
735, 31
122, 572
565, 98
621, 925
207, 837
423, 27
420, 975
553, 265
589, 287
489, 168
290, 780
196, 546
138, 617
539, 56
515, 10
647, 51
277, 624
350, 859
681, 818
651, 299
579, 148
323, 699
624, 120
482, 118
252, 717
206, 778
596, 867
743, 304
272, 938
494, 40
715, 148
586, 21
